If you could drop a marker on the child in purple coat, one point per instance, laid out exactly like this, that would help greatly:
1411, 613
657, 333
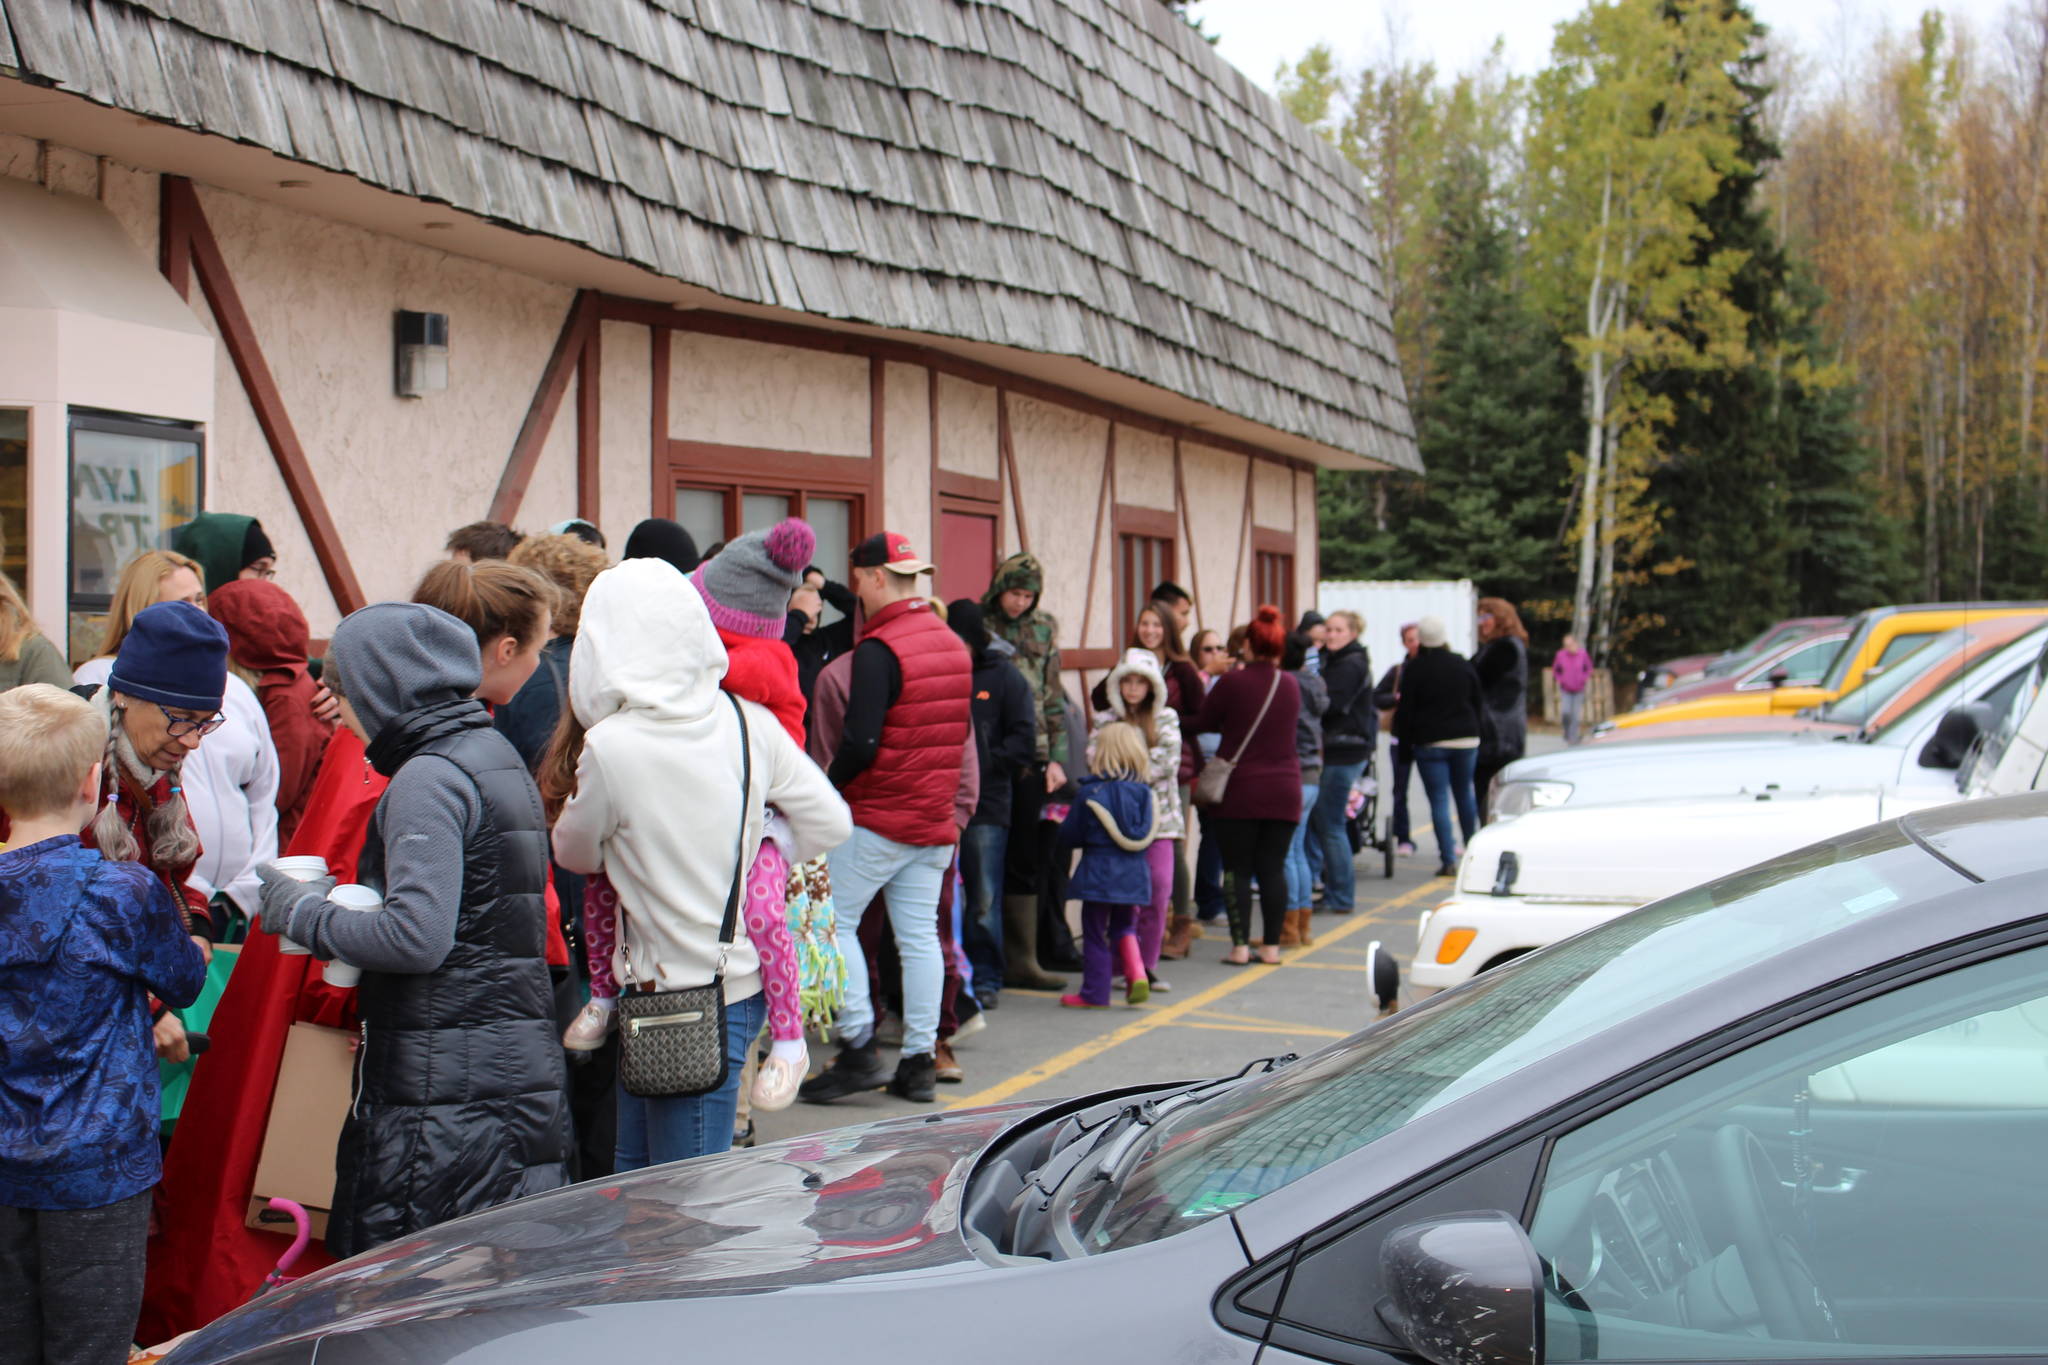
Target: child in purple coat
1113, 822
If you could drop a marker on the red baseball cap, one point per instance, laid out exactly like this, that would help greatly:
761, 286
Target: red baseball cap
887, 550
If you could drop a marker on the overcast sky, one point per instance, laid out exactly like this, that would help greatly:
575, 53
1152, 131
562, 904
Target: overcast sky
1257, 35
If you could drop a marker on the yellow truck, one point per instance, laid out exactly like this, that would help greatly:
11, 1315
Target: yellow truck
1878, 638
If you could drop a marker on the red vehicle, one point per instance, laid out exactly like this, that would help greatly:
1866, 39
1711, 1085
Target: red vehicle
1657, 679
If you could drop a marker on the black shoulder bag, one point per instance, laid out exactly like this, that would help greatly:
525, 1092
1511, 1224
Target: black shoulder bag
672, 1043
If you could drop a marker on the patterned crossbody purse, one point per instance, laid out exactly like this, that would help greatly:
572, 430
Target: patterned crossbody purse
672, 1043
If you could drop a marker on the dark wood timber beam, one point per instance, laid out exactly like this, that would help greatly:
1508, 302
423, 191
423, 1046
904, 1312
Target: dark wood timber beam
547, 400
189, 247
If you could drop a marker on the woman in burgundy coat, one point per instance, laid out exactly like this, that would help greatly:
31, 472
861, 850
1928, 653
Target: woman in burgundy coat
1253, 709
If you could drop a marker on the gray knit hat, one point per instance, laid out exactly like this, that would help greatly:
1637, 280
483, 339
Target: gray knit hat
746, 587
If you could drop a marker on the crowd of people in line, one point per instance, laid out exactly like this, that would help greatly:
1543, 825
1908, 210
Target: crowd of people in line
569, 786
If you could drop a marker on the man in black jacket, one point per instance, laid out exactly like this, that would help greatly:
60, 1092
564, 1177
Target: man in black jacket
1350, 729
1006, 741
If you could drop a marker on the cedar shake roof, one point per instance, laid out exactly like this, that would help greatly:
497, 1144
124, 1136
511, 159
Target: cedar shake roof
1077, 177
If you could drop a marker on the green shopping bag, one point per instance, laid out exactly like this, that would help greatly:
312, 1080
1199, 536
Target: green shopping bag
175, 1078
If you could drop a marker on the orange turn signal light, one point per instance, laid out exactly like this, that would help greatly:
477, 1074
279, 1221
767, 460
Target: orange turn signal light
1456, 941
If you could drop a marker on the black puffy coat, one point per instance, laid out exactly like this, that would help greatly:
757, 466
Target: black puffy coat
461, 1090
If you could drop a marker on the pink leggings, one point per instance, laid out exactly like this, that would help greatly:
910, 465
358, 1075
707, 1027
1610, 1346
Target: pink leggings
1159, 856
767, 919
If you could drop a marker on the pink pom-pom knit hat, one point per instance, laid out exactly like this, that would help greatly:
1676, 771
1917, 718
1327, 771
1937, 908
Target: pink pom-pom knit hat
747, 585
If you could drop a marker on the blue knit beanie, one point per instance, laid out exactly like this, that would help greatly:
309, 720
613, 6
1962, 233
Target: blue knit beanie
174, 655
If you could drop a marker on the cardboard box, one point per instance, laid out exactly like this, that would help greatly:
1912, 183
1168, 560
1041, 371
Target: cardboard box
315, 1084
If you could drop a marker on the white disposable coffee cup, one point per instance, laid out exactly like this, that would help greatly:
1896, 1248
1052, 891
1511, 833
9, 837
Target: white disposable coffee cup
350, 897
304, 867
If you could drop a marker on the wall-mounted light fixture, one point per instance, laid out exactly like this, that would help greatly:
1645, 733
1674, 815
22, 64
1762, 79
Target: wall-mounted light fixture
422, 354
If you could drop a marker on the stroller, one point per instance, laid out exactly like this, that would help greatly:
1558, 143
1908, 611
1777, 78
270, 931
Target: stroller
1362, 821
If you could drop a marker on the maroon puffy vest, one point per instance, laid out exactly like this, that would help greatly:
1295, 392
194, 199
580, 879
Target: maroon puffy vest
906, 794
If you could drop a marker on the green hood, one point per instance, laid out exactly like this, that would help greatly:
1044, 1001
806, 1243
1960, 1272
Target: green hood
1020, 570
215, 539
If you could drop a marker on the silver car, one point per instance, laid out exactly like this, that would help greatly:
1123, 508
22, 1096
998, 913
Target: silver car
1792, 1114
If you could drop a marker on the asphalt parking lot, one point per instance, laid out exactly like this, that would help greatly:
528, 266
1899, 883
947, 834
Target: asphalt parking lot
1214, 1020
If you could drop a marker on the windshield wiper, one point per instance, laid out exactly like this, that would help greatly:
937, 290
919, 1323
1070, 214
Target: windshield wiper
1040, 1226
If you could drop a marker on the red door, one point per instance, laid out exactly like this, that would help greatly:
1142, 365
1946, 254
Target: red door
967, 554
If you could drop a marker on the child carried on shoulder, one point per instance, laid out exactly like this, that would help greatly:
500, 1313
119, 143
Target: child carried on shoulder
1113, 822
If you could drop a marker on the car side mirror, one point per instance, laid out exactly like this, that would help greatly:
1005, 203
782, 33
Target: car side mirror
1465, 1289
1778, 677
1959, 729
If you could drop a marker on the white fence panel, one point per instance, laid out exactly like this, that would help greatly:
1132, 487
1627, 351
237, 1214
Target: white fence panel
1389, 605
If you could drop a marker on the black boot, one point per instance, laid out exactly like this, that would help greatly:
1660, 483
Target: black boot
917, 1078
853, 1071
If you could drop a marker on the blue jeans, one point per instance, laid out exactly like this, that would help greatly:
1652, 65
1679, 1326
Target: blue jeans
981, 889
653, 1132
1326, 829
1447, 777
1301, 884
910, 876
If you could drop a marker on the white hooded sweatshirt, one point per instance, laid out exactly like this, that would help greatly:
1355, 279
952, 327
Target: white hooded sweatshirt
658, 804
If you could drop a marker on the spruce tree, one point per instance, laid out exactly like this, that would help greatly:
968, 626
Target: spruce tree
1497, 424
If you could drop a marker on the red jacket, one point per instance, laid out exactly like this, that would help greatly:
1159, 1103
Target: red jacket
267, 635
764, 671
907, 793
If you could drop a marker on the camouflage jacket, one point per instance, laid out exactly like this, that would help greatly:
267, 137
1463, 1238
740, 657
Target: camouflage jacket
1035, 637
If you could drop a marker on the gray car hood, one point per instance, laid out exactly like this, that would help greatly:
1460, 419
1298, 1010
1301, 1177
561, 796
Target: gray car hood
881, 1199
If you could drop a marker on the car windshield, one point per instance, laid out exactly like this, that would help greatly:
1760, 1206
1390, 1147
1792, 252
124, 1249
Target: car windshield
1271, 1132
1999, 696
1861, 705
1852, 648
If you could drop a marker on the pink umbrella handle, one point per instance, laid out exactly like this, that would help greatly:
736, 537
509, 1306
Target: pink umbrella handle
303, 1233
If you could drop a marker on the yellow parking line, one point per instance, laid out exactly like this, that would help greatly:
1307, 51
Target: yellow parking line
1179, 1009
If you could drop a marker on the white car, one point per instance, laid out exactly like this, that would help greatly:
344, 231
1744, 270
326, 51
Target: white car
1529, 882
1875, 737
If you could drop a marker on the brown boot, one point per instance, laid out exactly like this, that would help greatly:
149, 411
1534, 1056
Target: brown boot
1303, 929
1020, 947
1289, 936
1181, 931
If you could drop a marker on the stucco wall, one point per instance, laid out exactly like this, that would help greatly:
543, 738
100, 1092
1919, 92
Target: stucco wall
397, 473
907, 452
1306, 569
967, 427
1059, 468
625, 384
750, 393
1215, 488
1273, 496
1144, 470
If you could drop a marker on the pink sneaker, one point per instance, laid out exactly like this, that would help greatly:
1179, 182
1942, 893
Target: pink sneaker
776, 1081
1075, 1002
588, 1030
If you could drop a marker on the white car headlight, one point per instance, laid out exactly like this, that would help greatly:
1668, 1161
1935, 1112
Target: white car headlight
1519, 798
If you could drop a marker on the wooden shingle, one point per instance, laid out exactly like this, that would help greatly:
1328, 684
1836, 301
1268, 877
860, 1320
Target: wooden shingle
1082, 177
